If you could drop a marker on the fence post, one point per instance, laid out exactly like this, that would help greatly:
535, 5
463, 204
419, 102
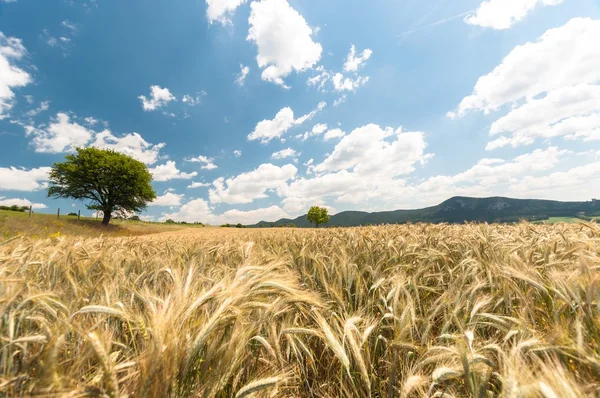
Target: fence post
58, 213
30, 207
78, 214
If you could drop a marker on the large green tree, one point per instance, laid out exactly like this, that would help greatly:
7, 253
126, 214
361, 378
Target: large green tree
318, 215
111, 181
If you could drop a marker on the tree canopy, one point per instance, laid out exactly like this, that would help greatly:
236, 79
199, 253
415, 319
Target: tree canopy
111, 181
318, 215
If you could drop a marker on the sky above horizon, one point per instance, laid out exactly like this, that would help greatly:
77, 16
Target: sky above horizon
255, 110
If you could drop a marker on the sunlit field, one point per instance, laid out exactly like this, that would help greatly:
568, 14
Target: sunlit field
398, 311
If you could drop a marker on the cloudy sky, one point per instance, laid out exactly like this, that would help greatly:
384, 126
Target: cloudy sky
255, 110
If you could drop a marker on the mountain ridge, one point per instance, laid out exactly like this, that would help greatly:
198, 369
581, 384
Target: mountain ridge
458, 209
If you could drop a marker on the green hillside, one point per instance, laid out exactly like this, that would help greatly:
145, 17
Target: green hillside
459, 210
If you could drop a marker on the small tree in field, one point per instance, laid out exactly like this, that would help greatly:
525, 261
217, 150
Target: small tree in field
318, 215
112, 181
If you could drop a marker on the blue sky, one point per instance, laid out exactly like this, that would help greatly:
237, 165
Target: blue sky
256, 110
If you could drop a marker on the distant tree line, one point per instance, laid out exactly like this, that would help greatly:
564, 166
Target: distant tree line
20, 209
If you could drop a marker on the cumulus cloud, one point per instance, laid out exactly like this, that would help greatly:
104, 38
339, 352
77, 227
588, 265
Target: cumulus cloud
284, 40
159, 97
285, 153
577, 183
333, 134
561, 57
552, 85
198, 210
62, 135
241, 77
198, 185
169, 171
222, 10
317, 129
247, 187
11, 76
21, 202
570, 112
206, 161
237, 153
168, 199
375, 150
19, 179
130, 144
267, 130
503, 14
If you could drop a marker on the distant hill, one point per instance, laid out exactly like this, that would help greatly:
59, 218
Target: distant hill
459, 210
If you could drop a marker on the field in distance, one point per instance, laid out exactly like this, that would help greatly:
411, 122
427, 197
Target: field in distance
399, 311
14, 223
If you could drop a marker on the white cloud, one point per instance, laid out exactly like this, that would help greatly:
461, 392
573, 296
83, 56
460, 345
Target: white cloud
62, 135
21, 202
335, 133
11, 76
17, 179
341, 83
283, 39
354, 62
169, 171
247, 187
241, 77
198, 210
90, 121
502, 14
317, 129
69, 25
207, 162
198, 185
577, 183
191, 100
168, 199
130, 144
267, 130
562, 57
364, 165
237, 153
285, 153
222, 10
340, 100
381, 191
570, 112
372, 150
159, 97
44, 106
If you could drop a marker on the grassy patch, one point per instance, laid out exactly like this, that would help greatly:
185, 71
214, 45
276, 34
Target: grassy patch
48, 225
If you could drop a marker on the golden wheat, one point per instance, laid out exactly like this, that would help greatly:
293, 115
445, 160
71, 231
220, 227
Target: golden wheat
396, 311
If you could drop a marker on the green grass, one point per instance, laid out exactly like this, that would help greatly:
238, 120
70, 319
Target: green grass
41, 225
556, 220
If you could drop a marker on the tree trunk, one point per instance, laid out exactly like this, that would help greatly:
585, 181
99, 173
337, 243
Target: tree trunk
106, 218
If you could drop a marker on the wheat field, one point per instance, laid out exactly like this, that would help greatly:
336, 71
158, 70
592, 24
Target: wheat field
391, 311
